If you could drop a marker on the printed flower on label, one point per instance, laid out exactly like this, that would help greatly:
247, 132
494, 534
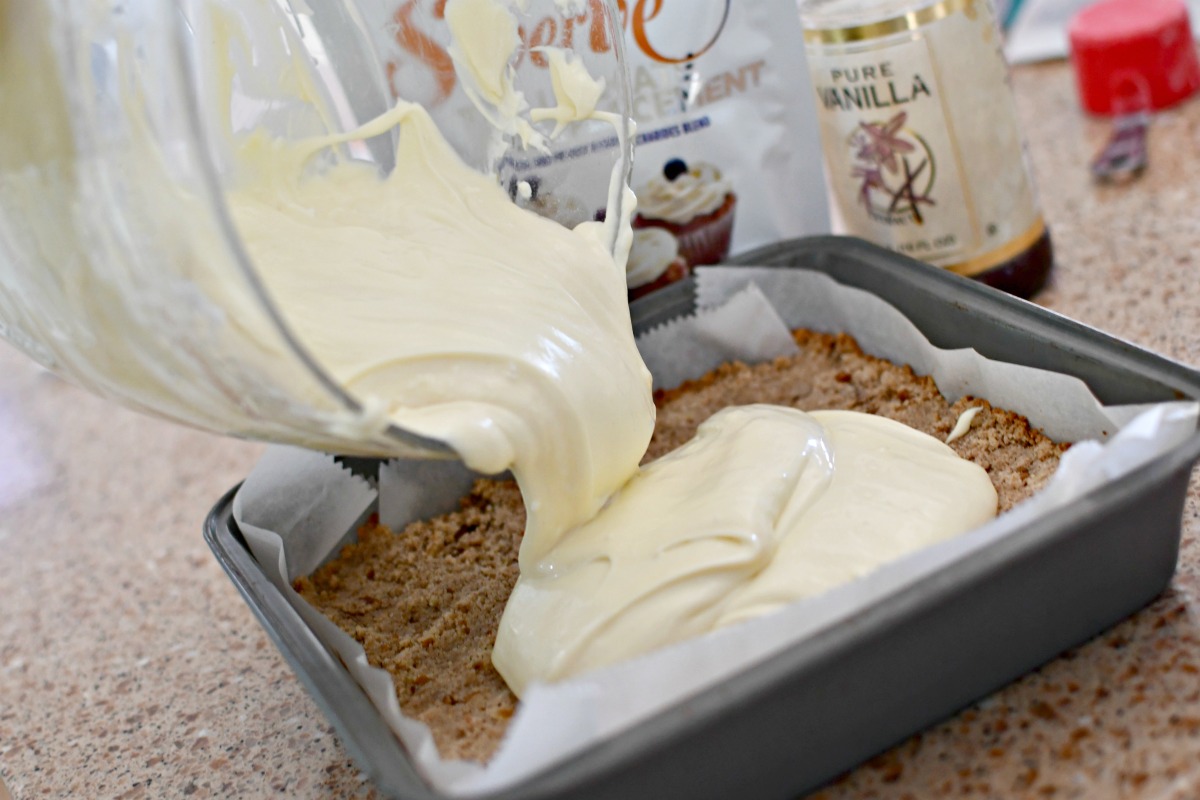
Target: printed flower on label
893, 164
879, 142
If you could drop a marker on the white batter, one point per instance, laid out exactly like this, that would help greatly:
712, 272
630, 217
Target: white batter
766, 505
473, 321
460, 316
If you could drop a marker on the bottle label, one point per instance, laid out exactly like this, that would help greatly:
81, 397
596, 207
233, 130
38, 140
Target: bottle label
920, 137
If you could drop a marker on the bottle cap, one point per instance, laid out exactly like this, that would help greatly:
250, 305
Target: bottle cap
1133, 55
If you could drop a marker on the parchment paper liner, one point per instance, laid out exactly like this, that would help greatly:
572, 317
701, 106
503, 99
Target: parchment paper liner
297, 507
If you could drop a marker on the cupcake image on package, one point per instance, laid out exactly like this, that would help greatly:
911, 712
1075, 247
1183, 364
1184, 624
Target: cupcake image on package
654, 262
694, 203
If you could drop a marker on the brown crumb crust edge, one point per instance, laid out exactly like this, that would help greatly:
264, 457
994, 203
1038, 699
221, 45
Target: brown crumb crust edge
425, 603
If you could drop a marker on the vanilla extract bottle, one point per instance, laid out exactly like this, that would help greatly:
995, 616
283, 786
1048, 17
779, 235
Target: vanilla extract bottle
919, 131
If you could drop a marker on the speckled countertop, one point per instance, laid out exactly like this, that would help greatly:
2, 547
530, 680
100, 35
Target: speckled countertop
132, 668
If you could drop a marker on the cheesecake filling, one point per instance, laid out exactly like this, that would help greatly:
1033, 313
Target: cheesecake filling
765, 506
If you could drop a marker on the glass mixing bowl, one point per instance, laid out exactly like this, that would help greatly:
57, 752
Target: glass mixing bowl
119, 266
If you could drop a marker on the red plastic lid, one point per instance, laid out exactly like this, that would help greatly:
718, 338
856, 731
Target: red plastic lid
1131, 55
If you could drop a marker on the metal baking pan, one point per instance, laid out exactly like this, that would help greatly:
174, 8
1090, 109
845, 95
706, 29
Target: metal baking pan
829, 702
